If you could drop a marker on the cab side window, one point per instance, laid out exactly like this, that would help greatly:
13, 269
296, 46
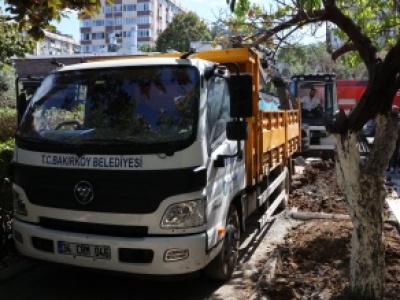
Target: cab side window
218, 111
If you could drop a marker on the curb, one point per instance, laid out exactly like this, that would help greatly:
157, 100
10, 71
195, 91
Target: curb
268, 273
16, 269
300, 215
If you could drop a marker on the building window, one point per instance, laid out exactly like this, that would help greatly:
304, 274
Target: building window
118, 7
86, 48
144, 33
85, 36
98, 35
126, 34
97, 48
98, 22
144, 20
144, 7
130, 21
129, 7
109, 22
86, 23
108, 9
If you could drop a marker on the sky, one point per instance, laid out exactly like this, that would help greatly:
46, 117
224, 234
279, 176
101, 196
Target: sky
206, 9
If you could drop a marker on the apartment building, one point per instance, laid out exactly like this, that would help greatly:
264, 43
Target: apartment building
56, 43
126, 24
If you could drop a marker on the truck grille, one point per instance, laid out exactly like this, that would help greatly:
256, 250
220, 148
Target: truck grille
114, 191
94, 228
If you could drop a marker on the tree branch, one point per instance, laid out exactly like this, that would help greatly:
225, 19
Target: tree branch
361, 42
333, 14
346, 48
381, 89
300, 20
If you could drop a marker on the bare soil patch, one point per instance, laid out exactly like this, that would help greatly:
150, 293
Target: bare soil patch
316, 190
314, 259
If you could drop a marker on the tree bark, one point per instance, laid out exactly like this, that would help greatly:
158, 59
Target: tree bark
363, 184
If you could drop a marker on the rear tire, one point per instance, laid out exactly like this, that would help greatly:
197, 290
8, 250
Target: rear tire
224, 264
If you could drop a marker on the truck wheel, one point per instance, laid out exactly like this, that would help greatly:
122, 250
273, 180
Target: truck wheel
223, 265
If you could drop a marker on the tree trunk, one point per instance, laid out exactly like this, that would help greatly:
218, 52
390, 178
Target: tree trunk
363, 185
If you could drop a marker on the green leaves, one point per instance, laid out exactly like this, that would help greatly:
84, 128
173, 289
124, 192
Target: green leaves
26, 20
12, 42
241, 9
184, 28
36, 15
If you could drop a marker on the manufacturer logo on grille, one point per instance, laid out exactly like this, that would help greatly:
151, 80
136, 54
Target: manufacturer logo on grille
83, 192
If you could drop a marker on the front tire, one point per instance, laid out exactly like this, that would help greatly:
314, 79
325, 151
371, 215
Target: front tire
224, 264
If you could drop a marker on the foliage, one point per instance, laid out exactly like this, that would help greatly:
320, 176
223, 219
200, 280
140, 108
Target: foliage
242, 25
375, 20
7, 96
36, 15
148, 48
313, 58
184, 28
6, 154
8, 123
6, 201
12, 42
368, 33
241, 8
25, 21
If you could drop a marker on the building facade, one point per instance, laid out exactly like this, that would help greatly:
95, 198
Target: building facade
126, 24
56, 43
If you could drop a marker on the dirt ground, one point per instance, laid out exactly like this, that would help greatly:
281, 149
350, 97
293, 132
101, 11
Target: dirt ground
315, 256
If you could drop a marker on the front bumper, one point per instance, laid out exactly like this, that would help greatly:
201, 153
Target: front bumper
194, 243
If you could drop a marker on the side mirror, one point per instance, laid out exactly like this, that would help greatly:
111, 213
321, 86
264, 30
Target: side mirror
241, 93
236, 130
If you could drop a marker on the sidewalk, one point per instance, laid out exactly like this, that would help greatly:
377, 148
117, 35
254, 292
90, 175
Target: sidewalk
393, 200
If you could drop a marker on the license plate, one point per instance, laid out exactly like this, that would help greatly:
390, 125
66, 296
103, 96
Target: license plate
86, 250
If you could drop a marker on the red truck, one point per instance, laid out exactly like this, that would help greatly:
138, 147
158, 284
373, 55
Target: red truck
349, 92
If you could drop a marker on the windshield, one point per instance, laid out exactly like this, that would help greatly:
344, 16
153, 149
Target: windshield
324, 92
147, 105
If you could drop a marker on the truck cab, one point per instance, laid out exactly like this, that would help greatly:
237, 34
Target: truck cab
315, 138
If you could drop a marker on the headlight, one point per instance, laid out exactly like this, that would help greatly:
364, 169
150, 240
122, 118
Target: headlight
184, 215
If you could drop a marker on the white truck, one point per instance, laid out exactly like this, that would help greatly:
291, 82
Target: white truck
149, 165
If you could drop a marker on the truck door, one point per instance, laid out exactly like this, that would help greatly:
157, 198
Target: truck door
223, 182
